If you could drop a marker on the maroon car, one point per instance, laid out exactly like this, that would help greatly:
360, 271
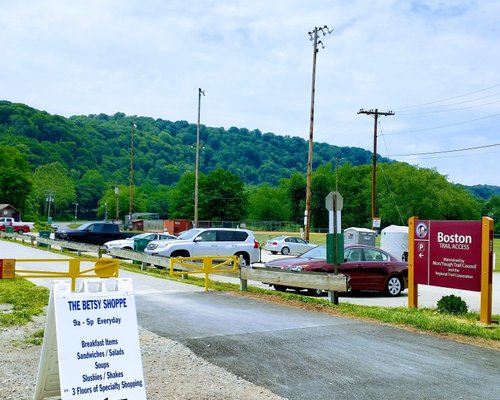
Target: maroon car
369, 268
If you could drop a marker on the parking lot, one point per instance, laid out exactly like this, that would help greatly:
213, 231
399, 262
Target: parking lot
428, 295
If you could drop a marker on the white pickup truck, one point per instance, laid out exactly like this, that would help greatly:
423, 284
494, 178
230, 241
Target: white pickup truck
19, 227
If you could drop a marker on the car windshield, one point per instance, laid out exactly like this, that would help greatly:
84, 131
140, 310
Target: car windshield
318, 252
189, 234
84, 226
277, 238
145, 235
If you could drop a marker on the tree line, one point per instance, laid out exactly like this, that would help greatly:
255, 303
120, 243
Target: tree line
244, 175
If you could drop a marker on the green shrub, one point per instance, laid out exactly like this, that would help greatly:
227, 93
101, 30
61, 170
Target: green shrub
452, 305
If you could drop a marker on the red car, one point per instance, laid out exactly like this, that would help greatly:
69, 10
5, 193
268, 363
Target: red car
369, 268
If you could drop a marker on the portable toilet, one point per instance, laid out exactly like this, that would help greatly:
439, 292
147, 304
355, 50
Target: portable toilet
394, 240
359, 236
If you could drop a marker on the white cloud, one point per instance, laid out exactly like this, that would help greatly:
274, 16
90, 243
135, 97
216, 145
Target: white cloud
254, 60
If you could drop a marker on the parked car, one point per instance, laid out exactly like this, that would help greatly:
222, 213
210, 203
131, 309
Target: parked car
128, 244
209, 242
288, 244
18, 225
368, 267
93, 233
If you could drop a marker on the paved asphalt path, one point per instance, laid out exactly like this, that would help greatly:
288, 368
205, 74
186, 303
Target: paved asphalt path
301, 354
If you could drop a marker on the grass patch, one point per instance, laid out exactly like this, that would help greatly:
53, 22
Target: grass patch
426, 319
24, 300
36, 338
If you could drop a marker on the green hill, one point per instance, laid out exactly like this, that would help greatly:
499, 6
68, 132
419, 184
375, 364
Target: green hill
163, 149
246, 174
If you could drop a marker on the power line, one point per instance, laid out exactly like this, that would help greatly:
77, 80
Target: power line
432, 110
445, 126
393, 197
444, 151
448, 98
345, 129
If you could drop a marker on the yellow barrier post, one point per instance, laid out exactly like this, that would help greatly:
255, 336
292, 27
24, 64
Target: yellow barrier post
207, 268
74, 272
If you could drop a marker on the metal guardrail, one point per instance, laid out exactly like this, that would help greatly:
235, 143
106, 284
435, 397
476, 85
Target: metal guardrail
306, 280
17, 236
209, 265
62, 244
205, 265
144, 259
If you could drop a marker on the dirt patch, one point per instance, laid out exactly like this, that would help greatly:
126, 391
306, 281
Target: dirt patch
171, 370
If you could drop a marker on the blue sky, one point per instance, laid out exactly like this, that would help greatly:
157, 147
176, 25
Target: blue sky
434, 63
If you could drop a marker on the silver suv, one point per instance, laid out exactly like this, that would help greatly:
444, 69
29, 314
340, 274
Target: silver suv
209, 242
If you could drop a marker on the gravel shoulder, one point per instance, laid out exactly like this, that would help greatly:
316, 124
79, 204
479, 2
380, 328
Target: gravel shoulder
171, 370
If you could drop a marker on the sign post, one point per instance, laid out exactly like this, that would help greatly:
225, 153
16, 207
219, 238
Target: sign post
486, 270
412, 286
334, 239
452, 254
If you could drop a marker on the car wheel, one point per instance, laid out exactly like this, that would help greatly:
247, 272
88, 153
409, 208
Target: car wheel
394, 286
285, 251
178, 253
314, 292
20, 231
280, 288
244, 260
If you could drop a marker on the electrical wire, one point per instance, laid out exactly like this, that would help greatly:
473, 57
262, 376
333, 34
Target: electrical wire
393, 197
433, 111
446, 126
427, 108
446, 99
444, 151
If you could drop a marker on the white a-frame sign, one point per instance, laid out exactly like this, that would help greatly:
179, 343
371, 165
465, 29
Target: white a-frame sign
91, 343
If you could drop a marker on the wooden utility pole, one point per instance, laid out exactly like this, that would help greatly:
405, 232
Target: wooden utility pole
117, 191
375, 113
307, 214
337, 173
131, 183
197, 168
